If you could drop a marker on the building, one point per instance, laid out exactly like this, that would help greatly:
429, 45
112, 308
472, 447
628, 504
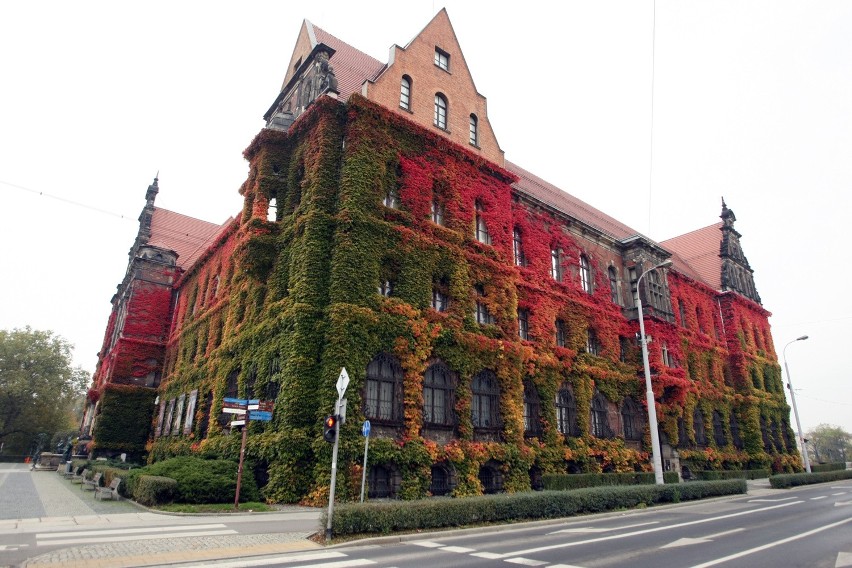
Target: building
487, 319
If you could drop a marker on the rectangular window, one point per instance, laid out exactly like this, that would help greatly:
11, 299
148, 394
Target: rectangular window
592, 344
556, 264
439, 301
560, 333
385, 288
442, 59
524, 324
391, 199
518, 248
437, 212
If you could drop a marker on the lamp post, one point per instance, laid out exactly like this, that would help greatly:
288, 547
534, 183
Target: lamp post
795, 410
649, 391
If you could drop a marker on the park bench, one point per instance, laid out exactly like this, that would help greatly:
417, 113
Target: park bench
94, 483
109, 492
74, 472
65, 469
79, 477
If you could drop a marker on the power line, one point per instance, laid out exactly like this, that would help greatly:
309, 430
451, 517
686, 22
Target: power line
69, 201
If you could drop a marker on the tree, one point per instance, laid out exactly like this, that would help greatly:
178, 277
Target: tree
38, 387
829, 443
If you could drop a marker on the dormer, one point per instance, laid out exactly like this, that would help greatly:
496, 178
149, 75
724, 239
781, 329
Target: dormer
428, 82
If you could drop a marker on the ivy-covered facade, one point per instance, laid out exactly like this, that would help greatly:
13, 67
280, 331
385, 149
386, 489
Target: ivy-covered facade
486, 319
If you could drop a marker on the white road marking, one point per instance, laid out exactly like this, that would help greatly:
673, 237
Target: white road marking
844, 560
459, 549
600, 530
655, 529
278, 559
839, 503
89, 532
563, 566
818, 498
487, 555
526, 561
427, 543
836, 494
80, 540
770, 500
709, 538
771, 544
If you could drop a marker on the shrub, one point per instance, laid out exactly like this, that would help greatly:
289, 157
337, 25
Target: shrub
714, 474
199, 480
821, 467
390, 516
154, 490
564, 481
787, 480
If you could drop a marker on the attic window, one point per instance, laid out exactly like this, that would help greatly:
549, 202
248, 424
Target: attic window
442, 59
298, 63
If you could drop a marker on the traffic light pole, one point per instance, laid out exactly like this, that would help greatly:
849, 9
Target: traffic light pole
333, 471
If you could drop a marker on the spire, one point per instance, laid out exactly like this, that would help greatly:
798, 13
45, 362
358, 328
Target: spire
152, 192
737, 275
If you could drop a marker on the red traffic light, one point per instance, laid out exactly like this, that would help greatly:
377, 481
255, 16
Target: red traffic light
329, 432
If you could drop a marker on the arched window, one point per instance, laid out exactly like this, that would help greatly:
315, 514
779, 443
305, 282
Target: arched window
718, 429
380, 483
383, 396
532, 410
438, 403
518, 247
613, 285
585, 274
440, 480
486, 397
405, 92
474, 130
630, 420
440, 111
482, 234
600, 417
272, 210
566, 411
490, 478
698, 427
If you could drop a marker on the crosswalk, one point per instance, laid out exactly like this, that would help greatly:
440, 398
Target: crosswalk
94, 536
325, 559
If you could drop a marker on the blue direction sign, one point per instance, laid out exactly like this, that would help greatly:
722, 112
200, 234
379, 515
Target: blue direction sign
234, 405
365, 429
260, 415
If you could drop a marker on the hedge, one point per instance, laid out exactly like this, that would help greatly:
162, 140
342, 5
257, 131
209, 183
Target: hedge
563, 481
154, 490
391, 516
787, 480
821, 467
714, 474
199, 480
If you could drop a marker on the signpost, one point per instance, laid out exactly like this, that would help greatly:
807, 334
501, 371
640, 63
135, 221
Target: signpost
342, 383
246, 410
365, 431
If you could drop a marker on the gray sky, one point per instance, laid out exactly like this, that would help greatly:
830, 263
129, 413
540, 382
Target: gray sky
751, 101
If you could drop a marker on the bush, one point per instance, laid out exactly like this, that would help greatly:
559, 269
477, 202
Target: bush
390, 516
154, 490
200, 480
564, 481
821, 467
715, 474
787, 480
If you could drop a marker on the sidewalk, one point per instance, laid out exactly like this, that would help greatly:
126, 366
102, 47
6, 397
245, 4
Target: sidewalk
42, 505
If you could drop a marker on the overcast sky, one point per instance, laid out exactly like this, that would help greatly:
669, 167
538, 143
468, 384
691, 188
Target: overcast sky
751, 101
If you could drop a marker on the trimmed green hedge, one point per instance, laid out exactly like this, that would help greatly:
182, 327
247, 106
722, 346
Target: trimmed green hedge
713, 475
390, 516
787, 480
563, 481
200, 480
154, 490
821, 467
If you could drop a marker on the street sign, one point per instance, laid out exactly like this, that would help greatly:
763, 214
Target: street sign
261, 415
365, 429
234, 405
342, 382
266, 405
238, 423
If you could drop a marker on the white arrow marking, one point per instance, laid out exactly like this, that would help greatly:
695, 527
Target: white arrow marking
770, 500
526, 561
600, 530
839, 503
844, 559
708, 538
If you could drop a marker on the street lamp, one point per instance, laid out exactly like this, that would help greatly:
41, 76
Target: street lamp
795, 410
649, 391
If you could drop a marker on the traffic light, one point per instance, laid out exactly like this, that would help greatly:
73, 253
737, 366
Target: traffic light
328, 428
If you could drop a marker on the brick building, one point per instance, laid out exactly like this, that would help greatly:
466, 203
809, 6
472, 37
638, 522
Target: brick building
487, 318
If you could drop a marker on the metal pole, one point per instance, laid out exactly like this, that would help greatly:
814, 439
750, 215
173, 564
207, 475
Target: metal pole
242, 458
333, 473
649, 390
364, 467
805, 458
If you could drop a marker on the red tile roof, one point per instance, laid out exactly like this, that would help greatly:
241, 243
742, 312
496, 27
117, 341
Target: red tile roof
187, 236
700, 249
351, 66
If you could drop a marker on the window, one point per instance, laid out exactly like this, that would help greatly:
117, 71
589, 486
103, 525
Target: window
272, 210
380, 483
600, 417
437, 211
385, 288
623, 345
442, 59
440, 302
440, 111
682, 310
630, 420
383, 400
486, 396
440, 480
593, 346
481, 228
698, 427
532, 410
482, 314
613, 285
474, 130
656, 289
560, 333
556, 264
405, 93
718, 430
699, 317
391, 199
585, 274
566, 411
438, 400
518, 248
523, 323
666, 356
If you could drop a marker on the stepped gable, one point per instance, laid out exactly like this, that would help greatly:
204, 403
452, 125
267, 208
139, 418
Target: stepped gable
187, 236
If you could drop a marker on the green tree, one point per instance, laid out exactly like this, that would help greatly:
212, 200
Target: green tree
38, 387
828, 443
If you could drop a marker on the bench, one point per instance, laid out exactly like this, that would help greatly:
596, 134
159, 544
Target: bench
66, 469
110, 492
79, 477
94, 483
73, 473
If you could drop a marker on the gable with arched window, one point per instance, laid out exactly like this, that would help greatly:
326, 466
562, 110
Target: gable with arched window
438, 396
383, 390
566, 411
485, 400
